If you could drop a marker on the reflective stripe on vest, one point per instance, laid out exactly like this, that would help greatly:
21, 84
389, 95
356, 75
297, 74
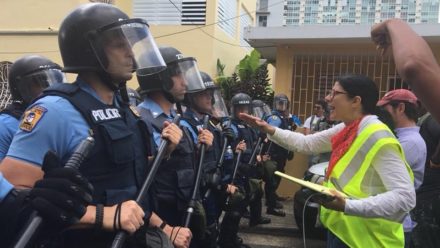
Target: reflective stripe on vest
349, 173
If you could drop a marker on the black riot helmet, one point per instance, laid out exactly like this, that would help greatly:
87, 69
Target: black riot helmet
241, 103
90, 31
280, 102
178, 66
29, 75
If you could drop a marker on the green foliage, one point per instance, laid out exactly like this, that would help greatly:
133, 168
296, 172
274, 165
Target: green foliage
249, 65
220, 68
251, 78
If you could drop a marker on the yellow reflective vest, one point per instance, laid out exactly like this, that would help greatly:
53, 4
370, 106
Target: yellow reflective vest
348, 174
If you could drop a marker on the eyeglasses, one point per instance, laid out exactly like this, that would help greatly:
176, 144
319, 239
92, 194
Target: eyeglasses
333, 93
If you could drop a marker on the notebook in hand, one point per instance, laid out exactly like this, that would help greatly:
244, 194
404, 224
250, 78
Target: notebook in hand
313, 186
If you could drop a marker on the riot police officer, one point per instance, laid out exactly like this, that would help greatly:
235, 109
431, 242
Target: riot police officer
246, 137
27, 78
210, 102
279, 118
96, 42
174, 181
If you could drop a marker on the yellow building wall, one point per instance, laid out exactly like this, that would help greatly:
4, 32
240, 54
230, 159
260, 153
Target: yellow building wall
30, 27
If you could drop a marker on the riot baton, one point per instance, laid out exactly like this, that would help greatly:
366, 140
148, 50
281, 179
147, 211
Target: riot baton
74, 162
192, 202
255, 151
120, 237
234, 174
219, 164
268, 148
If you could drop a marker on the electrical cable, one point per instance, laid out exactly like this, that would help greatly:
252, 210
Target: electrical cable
170, 34
214, 23
303, 217
215, 38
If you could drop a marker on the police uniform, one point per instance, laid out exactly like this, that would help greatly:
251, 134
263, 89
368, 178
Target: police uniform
174, 180
278, 158
117, 165
5, 187
211, 179
14, 212
9, 120
247, 175
248, 193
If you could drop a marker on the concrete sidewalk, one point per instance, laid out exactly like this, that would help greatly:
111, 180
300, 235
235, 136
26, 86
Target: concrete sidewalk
282, 232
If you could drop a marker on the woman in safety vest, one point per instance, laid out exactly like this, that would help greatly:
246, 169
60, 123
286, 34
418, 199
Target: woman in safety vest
367, 164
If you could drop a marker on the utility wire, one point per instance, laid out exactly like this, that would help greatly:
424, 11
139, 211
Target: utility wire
175, 33
221, 21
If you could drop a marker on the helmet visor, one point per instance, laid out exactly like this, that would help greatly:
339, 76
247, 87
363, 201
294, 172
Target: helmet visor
127, 45
258, 112
219, 109
186, 69
281, 104
33, 84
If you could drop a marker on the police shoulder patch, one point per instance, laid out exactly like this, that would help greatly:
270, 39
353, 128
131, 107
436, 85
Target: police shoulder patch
274, 117
32, 117
135, 111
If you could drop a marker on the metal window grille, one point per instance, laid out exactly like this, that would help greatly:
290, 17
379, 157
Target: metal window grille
314, 75
5, 96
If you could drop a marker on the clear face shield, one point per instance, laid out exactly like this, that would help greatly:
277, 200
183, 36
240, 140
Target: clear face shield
186, 69
33, 84
219, 109
281, 104
127, 46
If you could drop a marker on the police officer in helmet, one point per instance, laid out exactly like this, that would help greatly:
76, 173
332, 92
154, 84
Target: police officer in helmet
96, 42
27, 78
279, 155
246, 137
210, 102
174, 181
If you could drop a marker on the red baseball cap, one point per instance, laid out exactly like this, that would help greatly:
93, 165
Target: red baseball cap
402, 95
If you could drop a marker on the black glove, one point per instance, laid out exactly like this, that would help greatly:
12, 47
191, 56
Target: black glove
62, 195
228, 132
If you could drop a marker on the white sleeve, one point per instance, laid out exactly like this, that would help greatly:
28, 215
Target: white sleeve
310, 144
399, 197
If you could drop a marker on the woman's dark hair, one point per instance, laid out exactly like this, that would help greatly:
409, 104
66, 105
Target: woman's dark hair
360, 85
385, 117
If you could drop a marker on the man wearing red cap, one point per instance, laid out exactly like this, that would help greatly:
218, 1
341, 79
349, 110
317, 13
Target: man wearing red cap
402, 105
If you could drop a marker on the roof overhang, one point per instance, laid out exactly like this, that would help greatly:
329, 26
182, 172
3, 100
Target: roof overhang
267, 39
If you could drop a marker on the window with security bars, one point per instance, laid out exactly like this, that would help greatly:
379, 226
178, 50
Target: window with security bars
193, 12
5, 96
314, 76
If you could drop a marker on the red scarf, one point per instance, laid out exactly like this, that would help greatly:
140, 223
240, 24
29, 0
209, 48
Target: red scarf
341, 142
